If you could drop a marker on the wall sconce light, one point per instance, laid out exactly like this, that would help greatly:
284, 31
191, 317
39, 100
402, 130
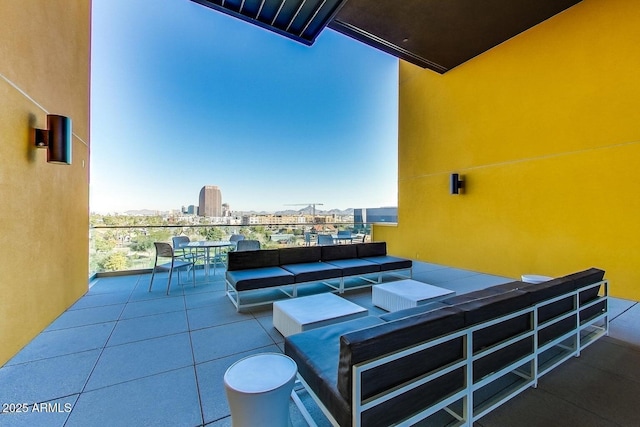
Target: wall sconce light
457, 184
56, 138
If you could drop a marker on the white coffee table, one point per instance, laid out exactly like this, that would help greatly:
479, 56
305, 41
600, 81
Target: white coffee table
394, 296
296, 315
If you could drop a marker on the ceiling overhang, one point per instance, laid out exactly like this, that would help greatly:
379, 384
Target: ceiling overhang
300, 20
434, 34
441, 34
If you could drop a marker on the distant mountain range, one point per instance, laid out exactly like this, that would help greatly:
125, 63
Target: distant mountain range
306, 210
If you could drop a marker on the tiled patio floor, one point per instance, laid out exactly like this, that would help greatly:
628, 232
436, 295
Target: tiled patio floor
122, 356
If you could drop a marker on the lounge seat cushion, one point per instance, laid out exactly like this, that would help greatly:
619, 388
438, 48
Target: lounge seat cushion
390, 262
245, 260
258, 278
355, 266
313, 271
316, 353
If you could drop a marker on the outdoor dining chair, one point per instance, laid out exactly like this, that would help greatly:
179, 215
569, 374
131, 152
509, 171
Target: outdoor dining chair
164, 250
236, 237
182, 251
247, 245
325, 239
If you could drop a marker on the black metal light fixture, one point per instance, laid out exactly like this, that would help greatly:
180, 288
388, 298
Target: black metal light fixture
457, 183
56, 138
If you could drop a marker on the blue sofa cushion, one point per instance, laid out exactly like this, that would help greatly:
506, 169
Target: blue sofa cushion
390, 262
355, 266
313, 271
316, 353
258, 278
371, 249
333, 252
395, 315
245, 260
367, 344
300, 255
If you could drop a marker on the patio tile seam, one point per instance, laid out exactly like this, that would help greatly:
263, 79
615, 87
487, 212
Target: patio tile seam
9, 364
243, 351
623, 312
219, 324
195, 363
216, 420
86, 381
195, 373
49, 329
148, 314
93, 306
143, 339
136, 379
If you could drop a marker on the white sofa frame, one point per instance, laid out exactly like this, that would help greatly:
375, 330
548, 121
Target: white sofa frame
291, 290
530, 368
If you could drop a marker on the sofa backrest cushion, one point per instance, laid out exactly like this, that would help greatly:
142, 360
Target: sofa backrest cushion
244, 260
299, 255
370, 343
551, 289
587, 277
494, 306
334, 252
371, 249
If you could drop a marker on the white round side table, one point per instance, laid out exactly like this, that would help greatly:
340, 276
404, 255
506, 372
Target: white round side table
535, 278
258, 389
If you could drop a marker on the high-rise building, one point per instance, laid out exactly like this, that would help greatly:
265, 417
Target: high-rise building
371, 215
210, 201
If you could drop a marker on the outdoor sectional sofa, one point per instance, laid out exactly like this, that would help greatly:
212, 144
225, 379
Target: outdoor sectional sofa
453, 361
259, 277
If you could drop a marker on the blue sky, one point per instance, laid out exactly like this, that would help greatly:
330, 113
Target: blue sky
184, 96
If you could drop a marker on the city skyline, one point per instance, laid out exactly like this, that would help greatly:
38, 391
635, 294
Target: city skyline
183, 96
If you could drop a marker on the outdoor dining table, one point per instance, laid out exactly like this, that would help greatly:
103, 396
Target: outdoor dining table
339, 239
207, 245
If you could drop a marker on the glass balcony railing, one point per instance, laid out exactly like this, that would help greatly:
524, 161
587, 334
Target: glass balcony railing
120, 248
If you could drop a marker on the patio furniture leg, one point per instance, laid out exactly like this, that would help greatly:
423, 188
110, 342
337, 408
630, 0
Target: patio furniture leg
169, 283
153, 273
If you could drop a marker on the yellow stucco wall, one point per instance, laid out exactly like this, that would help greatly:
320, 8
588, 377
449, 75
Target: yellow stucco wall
546, 130
44, 67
